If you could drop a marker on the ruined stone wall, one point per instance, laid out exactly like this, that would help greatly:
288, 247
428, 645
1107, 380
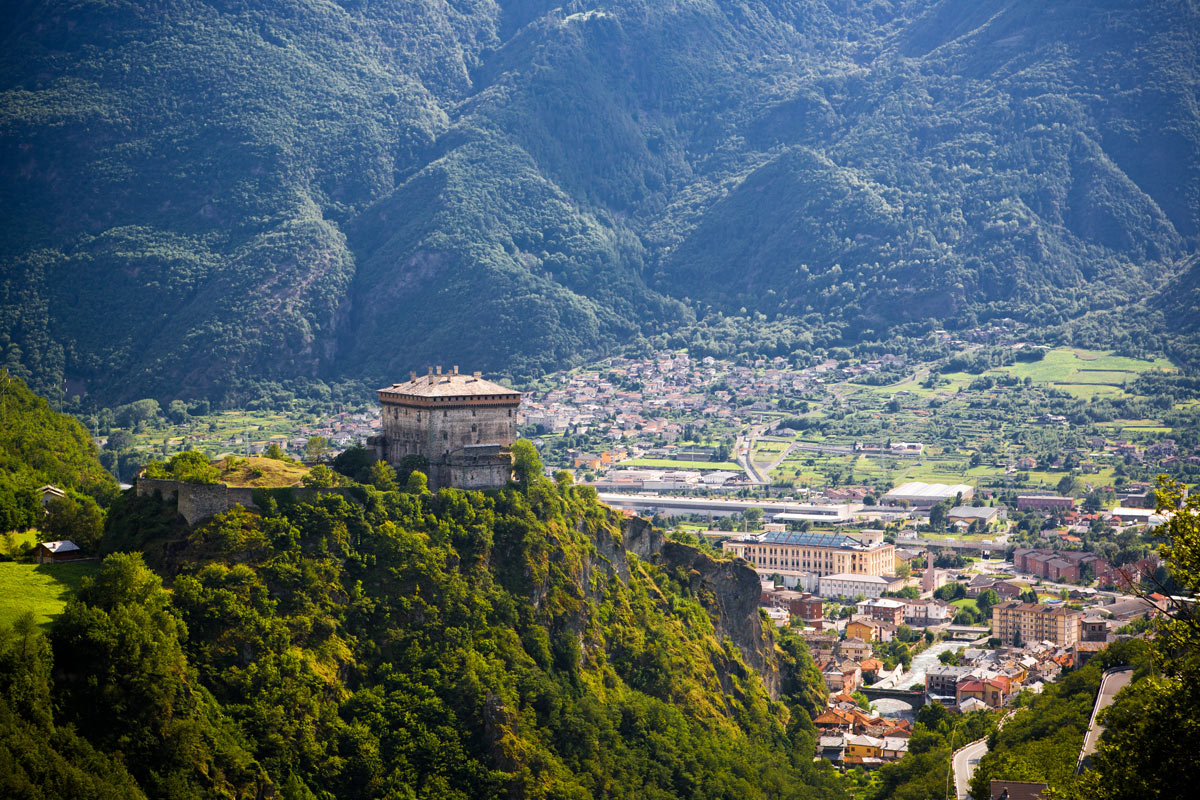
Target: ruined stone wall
197, 502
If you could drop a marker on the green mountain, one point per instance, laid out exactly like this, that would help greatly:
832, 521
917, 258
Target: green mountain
524, 644
199, 194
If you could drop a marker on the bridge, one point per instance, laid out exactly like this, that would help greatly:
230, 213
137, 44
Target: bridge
914, 699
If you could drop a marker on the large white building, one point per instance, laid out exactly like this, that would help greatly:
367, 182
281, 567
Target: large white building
800, 557
926, 495
850, 585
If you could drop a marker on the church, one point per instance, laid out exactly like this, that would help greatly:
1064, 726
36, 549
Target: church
462, 425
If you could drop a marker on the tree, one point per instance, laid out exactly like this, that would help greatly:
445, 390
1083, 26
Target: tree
417, 483
938, 515
319, 477
752, 516
177, 412
131, 415
274, 451
190, 466
119, 440
986, 599
316, 448
383, 476
1067, 485
78, 518
527, 464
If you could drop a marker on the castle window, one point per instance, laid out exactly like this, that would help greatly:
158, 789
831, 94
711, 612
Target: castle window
474, 428
445, 413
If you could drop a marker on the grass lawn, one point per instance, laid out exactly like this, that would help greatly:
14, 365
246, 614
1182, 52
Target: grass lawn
14, 543
41, 588
263, 473
667, 463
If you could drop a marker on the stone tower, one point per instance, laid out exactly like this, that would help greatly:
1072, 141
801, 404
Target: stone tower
461, 424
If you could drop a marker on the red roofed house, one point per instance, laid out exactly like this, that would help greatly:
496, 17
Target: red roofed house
992, 691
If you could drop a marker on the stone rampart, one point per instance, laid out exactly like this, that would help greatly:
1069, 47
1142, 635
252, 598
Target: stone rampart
198, 501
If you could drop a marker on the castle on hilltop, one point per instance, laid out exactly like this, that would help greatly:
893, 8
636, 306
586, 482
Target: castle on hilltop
462, 425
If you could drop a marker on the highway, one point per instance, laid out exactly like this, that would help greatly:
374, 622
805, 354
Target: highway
700, 505
1114, 680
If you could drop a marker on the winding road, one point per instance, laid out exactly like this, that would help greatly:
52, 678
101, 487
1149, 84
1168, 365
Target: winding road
1114, 680
965, 761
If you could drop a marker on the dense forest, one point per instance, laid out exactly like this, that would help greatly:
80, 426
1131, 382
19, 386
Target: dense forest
199, 195
523, 643
39, 446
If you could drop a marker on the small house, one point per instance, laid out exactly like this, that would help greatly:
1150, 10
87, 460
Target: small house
54, 552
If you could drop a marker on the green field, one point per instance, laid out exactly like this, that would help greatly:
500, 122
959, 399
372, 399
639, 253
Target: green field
41, 588
667, 463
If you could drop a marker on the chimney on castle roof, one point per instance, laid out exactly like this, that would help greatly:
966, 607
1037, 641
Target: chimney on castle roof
431, 374
439, 370
412, 376
477, 375
454, 370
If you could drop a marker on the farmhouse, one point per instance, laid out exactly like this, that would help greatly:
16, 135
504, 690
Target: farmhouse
55, 552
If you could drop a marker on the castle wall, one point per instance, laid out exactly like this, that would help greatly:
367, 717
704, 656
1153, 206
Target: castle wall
435, 433
196, 501
441, 434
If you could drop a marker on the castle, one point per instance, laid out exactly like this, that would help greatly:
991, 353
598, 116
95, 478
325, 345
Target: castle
462, 425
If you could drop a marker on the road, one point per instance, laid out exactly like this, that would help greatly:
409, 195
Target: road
1114, 680
965, 761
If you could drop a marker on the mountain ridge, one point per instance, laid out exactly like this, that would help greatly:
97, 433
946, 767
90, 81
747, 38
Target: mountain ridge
200, 195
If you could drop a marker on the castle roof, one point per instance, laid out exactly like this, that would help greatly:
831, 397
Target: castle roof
448, 389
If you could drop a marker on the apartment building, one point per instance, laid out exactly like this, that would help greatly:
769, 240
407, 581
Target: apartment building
1020, 623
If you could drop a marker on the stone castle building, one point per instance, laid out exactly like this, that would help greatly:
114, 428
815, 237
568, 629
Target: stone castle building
462, 425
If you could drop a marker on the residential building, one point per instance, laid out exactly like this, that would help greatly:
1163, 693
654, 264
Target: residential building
923, 613
801, 605
943, 679
1015, 623
1061, 565
870, 630
1044, 502
993, 691
884, 609
856, 648
848, 585
842, 675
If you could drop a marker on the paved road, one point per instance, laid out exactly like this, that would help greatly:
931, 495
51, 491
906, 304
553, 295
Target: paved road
1114, 680
965, 761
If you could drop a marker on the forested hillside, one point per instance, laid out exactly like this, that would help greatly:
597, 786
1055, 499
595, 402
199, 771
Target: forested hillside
199, 194
39, 446
409, 645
